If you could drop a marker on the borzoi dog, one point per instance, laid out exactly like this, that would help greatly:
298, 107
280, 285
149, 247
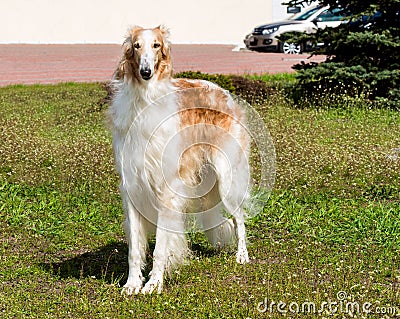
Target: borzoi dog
181, 150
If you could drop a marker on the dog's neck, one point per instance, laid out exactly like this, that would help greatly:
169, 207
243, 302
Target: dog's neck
144, 93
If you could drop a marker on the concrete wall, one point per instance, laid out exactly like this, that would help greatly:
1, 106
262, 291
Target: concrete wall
106, 21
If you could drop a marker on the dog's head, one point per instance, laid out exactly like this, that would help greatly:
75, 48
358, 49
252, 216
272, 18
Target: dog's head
146, 54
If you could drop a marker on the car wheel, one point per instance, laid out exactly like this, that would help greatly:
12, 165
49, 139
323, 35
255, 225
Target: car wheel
290, 48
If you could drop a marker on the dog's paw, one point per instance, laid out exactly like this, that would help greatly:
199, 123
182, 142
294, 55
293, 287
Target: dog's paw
154, 284
132, 287
242, 256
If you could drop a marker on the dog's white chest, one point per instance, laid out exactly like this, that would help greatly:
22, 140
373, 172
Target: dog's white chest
150, 146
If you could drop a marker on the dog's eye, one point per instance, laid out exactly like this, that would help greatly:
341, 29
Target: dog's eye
136, 45
156, 45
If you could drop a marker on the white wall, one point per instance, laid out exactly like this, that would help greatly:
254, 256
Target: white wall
278, 10
106, 21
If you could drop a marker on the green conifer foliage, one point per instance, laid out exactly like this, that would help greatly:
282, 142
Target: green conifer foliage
363, 53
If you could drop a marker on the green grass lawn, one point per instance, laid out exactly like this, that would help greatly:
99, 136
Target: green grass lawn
329, 233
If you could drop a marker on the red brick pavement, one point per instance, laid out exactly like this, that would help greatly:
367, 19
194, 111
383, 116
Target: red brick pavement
29, 64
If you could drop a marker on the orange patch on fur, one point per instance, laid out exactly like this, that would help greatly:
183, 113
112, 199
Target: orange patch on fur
203, 104
205, 120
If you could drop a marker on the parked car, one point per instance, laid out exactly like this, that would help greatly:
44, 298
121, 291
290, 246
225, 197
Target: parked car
264, 37
368, 21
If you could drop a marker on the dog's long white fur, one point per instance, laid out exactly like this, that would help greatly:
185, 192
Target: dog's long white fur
152, 128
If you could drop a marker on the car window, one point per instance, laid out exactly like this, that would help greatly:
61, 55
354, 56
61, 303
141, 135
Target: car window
305, 15
330, 15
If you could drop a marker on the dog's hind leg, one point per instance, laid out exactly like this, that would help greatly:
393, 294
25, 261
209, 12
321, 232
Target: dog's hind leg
234, 184
237, 212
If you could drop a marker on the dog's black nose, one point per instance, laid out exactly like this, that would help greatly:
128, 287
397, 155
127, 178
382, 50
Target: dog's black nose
145, 73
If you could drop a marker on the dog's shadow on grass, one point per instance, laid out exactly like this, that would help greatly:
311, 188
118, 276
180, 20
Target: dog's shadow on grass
108, 263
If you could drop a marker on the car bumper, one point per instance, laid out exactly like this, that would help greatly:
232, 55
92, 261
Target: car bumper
260, 42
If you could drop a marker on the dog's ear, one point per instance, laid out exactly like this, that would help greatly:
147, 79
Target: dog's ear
127, 46
164, 31
166, 43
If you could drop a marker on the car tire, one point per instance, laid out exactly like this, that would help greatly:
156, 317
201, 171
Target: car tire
290, 48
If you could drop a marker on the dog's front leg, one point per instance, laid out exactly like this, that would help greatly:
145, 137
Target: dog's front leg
170, 250
137, 244
160, 262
